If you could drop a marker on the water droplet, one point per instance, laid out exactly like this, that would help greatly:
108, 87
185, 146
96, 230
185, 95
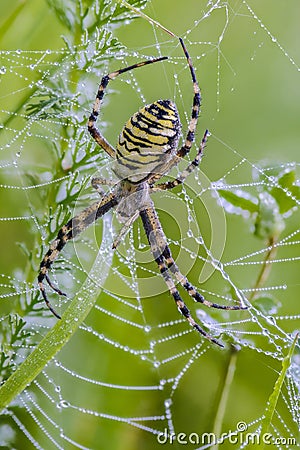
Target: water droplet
152, 344
190, 233
271, 320
168, 403
63, 404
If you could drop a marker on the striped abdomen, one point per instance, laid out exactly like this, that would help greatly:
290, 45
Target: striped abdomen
147, 141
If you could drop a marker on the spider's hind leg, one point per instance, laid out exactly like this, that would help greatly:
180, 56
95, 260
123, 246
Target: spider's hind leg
191, 289
158, 244
183, 309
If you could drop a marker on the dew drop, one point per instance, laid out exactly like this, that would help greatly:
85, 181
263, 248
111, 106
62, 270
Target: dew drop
271, 320
190, 233
168, 403
63, 404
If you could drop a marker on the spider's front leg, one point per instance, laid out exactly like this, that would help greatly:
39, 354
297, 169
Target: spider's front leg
74, 227
92, 128
190, 136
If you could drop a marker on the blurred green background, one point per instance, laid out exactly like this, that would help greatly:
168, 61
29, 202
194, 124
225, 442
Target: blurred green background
251, 104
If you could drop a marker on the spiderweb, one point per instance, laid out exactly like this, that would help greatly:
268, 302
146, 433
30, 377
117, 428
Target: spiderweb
135, 373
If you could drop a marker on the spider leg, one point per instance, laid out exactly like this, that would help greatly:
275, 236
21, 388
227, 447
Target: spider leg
190, 137
97, 184
75, 226
172, 266
183, 175
123, 231
179, 302
157, 241
93, 130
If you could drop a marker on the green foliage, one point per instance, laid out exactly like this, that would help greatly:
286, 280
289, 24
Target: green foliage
274, 397
277, 196
267, 304
239, 200
283, 187
13, 335
269, 222
275, 199
89, 14
89, 44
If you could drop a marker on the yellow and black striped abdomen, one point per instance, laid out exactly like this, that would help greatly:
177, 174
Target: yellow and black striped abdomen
147, 141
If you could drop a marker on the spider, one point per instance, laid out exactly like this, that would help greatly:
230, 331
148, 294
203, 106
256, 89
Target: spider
146, 150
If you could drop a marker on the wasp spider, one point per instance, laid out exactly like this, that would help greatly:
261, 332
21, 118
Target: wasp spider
146, 150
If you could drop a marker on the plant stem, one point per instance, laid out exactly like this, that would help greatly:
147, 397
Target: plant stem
231, 366
224, 394
274, 397
63, 329
266, 267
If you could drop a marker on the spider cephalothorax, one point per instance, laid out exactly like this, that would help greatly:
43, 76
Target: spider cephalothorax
146, 150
